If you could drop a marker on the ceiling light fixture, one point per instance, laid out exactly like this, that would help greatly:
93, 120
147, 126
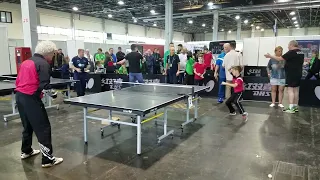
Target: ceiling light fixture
154, 24
262, 29
190, 21
152, 11
120, 2
229, 31
210, 3
75, 9
222, 30
252, 25
109, 15
297, 28
293, 13
246, 21
296, 22
203, 25
294, 18
258, 27
237, 17
135, 20
297, 25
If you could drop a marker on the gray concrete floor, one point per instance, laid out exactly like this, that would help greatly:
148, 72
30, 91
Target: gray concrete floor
215, 147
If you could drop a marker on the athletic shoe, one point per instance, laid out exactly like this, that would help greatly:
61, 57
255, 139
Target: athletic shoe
33, 153
233, 114
220, 100
288, 110
245, 117
296, 109
281, 106
272, 105
56, 161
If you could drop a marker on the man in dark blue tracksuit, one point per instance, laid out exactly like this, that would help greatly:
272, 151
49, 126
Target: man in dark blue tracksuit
81, 66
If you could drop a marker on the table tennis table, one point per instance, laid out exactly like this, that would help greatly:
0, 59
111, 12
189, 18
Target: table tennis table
138, 101
7, 84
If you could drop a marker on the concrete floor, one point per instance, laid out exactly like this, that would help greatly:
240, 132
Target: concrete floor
215, 147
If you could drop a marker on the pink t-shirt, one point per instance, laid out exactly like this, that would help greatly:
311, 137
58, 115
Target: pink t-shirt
239, 87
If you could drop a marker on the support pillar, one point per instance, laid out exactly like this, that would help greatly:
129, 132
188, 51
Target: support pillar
238, 29
253, 29
73, 28
29, 23
168, 23
306, 31
215, 28
104, 31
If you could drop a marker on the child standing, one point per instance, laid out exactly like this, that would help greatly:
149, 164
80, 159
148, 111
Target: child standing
189, 70
123, 70
199, 71
237, 85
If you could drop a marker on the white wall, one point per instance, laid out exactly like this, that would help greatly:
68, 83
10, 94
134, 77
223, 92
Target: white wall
59, 19
266, 33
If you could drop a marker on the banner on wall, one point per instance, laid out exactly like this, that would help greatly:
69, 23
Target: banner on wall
307, 47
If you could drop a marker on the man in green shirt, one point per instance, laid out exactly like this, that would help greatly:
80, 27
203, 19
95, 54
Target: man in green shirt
189, 79
166, 54
100, 56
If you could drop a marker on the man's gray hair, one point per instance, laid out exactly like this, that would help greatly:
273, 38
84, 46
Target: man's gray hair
294, 43
45, 48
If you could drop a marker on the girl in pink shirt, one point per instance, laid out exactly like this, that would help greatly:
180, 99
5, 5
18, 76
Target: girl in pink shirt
237, 85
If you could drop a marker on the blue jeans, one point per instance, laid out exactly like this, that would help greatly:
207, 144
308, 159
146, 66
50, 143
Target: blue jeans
222, 89
181, 78
172, 78
133, 77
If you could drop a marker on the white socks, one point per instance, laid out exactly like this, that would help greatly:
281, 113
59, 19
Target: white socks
291, 106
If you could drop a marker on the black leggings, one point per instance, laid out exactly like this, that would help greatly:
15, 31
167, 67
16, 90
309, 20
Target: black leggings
235, 99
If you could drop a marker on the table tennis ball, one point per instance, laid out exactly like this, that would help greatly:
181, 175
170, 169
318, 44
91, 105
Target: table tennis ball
269, 176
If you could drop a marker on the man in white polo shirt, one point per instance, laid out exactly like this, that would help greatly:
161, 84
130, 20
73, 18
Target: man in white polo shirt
232, 58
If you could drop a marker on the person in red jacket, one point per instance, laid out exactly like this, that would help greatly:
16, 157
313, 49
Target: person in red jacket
199, 71
208, 59
32, 79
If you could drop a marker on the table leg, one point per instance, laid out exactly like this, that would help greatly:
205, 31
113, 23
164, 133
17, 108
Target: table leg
138, 135
196, 107
85, 125
13, 107
68, 87
165, 125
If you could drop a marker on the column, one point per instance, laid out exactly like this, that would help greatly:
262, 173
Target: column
239, 29
215, 28
253, 29
103, 24
73, 28
290, 31
127, 33
168, 23
306, 31
29, 23
145, 31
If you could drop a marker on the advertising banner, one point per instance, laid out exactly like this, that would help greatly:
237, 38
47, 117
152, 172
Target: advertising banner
307, 47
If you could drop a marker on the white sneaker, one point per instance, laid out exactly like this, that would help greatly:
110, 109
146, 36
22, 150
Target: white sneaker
272, 105
281, 106
56, 161
233, 114
245, 117
33, 153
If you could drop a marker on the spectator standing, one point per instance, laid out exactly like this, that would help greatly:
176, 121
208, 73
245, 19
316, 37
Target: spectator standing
150, 62
120, 56
231, 59
180, 47
183, 61
158, 63
199, 71
90, 59
165, 57
189, 79
57, 59
220, 75
314, 66
81, 66
113, 56
172, 67
208, 59
99, 56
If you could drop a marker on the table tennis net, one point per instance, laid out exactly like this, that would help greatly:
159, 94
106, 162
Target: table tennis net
159, 89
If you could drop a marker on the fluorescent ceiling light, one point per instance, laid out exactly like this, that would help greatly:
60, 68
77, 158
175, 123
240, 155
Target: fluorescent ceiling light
109, 15
262, 29
154, 24
229, 31
120, 2
293, 13
246, 21
190, 21
237, 17
252, 25
296, 22
75, 9
210, 4
222, 30
135, 20
297, 25
294, 18
203, 25
152, 11
258, 27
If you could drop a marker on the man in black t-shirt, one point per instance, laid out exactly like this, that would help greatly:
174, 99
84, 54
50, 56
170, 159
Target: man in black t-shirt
134, 58
172, 67
293, 67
